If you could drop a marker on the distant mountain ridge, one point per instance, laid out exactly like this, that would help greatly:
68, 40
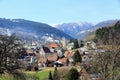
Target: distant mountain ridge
26, 29
81, 29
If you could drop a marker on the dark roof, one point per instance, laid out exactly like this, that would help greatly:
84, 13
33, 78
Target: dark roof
46, 49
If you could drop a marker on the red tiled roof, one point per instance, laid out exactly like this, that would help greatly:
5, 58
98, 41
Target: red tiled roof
30, 51
63, 60
52, 57
42, 60
53, 45
69, 54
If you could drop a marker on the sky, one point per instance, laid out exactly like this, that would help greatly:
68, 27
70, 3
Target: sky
60, 11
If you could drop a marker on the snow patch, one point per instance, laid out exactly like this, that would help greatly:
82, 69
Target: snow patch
13, 20
94, 23
81, 32
74, 27
90, 30
53, 25
8, 32
80, 23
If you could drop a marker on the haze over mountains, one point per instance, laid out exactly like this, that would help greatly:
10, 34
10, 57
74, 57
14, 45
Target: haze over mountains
81, 29
28, 30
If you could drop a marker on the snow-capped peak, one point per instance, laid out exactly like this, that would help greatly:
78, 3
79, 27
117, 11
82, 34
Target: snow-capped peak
53, 25
81, 29
14, 20
80, 23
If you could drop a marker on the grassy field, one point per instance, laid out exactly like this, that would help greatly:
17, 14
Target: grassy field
6, 78
43, 74
32, 75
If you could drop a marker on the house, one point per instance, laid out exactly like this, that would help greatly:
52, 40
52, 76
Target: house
43, 52
42, 55
22, 53
52, 50
51, 60
52, 57
30, 51
60, 52
30, 59
64, 61
53, 45
41, 62
70, 46
46, 51
69, 55
84, 49
91, 45
64, 43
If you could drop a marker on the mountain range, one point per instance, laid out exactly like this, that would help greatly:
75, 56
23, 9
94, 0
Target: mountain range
29, 30
81, 29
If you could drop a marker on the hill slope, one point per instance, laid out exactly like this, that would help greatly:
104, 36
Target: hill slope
29, 30
109, 35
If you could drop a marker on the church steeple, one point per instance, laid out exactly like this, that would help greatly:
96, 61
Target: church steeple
42, 53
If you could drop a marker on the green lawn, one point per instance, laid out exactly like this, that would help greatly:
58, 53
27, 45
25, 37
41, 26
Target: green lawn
43, 74
40, 75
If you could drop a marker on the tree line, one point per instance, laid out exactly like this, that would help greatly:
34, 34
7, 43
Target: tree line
108, 35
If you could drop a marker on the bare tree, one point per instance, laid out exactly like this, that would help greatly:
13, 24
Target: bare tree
8, 60
108, 64
115, 63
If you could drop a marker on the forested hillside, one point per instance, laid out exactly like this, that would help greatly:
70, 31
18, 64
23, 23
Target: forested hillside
25, 29
109, 35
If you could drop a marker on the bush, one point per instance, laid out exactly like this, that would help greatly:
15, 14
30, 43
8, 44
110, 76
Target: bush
77, 57
72, 74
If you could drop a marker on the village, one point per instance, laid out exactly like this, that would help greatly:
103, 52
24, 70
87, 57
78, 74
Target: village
38, 55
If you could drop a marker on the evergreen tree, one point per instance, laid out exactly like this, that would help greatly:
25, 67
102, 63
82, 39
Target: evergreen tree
72, 74
50, 76
75, 41
81, 44
55, 75
108, 35
77, 57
